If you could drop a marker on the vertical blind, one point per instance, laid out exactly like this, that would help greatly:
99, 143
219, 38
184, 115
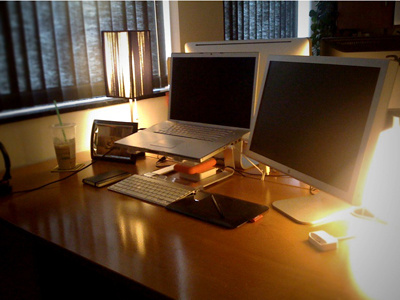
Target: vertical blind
250, 20
51, 50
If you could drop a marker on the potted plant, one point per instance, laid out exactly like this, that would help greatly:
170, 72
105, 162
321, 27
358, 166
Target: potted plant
323, 23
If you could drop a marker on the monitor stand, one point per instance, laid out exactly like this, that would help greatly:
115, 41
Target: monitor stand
213, 179
219, 176
313, 209
204, 181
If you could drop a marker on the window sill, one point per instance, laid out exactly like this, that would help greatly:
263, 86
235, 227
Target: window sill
64, 107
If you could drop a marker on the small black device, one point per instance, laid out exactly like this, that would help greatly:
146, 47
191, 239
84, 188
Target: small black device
218, 209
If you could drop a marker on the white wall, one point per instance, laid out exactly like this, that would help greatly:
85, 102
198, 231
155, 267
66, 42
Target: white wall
303, 19
195, 21
28, 142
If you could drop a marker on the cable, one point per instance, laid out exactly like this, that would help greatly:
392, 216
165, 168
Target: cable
62, 179
55, 181
365, 214
312, 190
254, 176
5, 187
346, 237
164, 162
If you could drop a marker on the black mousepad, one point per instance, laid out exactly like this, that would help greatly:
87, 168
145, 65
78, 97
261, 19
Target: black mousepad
222, 210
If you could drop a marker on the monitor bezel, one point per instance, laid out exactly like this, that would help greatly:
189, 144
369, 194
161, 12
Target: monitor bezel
375, 123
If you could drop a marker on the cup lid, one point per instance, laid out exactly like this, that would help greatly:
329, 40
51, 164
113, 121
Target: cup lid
64, 125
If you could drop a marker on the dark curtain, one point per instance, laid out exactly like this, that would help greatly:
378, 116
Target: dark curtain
250, 20
51, 50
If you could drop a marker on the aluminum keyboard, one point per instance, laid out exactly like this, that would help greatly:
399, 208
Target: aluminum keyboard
195, 132
152, 190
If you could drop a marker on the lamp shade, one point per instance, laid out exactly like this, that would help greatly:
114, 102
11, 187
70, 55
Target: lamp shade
127, 64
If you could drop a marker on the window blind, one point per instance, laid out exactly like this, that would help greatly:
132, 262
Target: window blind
250, 20
51, 50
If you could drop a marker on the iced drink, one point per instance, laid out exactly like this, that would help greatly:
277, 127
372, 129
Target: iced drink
64, 145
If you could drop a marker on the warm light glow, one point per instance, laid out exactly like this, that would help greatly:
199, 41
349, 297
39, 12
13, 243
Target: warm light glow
142, 49
306, 50
141, 39
135, 114
373, 254
132, 234
109, 60
127, 60
382, 189
128, 67
374, 260
137, 228
117, 64
123, 65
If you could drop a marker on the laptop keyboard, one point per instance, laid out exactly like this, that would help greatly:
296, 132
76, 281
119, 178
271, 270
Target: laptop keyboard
195, 132
152, 190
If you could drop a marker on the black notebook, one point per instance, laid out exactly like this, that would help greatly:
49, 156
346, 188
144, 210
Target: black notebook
218, 209
106, 178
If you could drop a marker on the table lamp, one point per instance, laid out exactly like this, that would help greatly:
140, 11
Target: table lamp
128, 66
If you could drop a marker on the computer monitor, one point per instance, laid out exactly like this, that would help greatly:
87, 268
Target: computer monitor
380, 47
318, 120
285, 46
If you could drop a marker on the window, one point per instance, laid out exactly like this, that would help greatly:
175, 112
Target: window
249, 20
51, 50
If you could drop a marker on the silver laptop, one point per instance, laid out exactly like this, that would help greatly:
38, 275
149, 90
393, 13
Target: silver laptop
212, 95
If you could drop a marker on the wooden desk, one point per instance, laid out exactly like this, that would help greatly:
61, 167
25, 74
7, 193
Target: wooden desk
79, 237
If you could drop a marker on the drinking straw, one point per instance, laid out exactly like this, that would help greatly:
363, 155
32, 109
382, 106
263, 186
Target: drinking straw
59, 120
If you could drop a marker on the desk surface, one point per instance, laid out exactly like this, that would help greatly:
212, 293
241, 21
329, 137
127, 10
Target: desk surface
175, 255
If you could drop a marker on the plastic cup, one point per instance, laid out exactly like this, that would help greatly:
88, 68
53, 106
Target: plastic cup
64, 145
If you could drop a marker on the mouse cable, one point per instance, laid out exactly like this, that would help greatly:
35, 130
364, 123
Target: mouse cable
62, 179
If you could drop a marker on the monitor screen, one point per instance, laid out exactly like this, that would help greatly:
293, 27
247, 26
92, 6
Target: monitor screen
265, 47
318, 119
213, 88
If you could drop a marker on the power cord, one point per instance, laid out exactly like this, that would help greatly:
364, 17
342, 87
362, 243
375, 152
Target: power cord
313, 190
163, 162
62, 179
5, 187
252, 175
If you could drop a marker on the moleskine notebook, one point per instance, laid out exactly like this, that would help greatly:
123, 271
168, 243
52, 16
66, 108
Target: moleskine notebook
106, 178
218, 209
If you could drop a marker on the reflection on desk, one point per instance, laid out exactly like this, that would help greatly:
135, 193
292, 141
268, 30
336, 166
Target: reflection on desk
102, 243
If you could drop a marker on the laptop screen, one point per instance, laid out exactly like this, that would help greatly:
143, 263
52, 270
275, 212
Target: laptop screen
213, 88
